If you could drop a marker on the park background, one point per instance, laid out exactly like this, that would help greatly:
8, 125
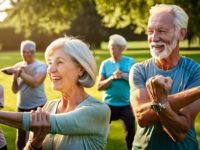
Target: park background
93, 21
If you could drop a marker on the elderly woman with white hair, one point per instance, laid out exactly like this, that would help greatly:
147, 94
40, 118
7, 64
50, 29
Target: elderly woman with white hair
74, 121
113, 79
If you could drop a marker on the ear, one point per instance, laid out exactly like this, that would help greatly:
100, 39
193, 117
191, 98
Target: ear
81, 72
182, 33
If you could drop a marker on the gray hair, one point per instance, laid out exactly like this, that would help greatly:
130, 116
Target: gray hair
79, 51
28, 45
181, 18
118, 40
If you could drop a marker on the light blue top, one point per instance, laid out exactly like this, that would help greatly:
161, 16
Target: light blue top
118, 92
29, 97
185, 75
85, 128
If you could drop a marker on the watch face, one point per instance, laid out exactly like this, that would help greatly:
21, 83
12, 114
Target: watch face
157, 107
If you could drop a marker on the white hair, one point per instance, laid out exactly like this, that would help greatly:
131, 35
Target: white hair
118, 40
181, 18
81, 53
28, 45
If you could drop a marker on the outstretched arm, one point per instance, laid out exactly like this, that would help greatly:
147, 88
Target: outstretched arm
13, 119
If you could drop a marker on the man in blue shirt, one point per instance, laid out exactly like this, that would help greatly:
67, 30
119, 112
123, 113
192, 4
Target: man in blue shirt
165, 121
113, 79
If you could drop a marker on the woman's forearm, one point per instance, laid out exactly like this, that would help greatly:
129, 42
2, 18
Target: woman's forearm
13, 119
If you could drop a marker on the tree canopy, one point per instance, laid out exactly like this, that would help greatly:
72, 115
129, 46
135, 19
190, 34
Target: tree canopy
56, 16
123, 13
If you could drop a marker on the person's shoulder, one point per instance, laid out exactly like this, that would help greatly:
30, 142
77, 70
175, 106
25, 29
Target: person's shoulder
144, 63
127, 57
98, 105
97, 102
40, 63
189, 62
19, 64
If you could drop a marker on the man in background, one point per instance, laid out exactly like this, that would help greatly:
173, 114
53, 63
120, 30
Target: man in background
28, 78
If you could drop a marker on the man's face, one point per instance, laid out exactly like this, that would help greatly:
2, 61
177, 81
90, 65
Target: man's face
162, 35
27, 55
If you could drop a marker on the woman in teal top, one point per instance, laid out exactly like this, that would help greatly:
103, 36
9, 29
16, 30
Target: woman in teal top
75, 121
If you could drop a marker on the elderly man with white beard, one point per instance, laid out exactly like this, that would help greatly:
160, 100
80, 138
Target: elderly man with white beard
165, 89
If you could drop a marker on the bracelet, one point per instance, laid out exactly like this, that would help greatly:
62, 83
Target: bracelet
35, 148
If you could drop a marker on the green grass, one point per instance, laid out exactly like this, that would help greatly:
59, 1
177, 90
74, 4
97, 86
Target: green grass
116, 138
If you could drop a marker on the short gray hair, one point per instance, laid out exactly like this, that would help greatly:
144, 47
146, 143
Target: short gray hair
28, 45
181, 18
118, 40
78, 50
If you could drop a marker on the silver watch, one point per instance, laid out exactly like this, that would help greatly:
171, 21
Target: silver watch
157, 107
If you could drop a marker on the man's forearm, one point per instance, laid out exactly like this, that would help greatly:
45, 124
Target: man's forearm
176, 125
182, 99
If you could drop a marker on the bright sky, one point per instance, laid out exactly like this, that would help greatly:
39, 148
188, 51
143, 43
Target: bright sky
3, 5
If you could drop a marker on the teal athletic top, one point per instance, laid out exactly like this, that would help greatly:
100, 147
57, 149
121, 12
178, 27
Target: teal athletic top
118, 92
85, 128
185, 75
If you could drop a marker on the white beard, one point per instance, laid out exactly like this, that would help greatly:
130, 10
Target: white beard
168, 48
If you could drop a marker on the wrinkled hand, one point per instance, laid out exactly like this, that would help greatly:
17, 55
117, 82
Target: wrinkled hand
40, 125
117, 74
158, 87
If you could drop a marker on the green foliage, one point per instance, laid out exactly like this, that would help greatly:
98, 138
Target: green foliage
54, 16
121, 14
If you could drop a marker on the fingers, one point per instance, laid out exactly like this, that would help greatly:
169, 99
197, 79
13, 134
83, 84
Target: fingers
40, 120
117, 74
158, 87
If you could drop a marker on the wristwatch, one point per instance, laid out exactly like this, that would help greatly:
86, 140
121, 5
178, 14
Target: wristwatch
157, 107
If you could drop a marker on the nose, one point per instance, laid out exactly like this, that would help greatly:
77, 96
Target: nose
51, 68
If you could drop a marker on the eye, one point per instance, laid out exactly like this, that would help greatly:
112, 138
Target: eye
49, 63
149, 32
162, 31
59, 62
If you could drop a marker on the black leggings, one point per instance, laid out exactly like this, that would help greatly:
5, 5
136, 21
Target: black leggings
125, 113
4, 148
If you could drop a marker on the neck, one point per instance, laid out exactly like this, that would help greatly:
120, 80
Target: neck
116, 59
169, 62
71, 100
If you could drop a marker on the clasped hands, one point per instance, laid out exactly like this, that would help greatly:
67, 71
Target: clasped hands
158, 88
13, 70
117, 74
40, 125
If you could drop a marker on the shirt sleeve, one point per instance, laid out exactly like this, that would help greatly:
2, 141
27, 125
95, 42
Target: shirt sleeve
42, 68
136, 77
194, 79
102, 69
88, 119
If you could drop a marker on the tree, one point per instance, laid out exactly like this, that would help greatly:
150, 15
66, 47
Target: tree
48, 16
121, 14
57, 16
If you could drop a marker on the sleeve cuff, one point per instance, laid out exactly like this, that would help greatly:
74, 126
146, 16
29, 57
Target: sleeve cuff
26, 121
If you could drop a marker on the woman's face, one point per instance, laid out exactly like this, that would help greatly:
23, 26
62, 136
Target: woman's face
63, 71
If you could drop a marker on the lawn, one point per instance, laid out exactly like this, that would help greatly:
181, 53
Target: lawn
116, 135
